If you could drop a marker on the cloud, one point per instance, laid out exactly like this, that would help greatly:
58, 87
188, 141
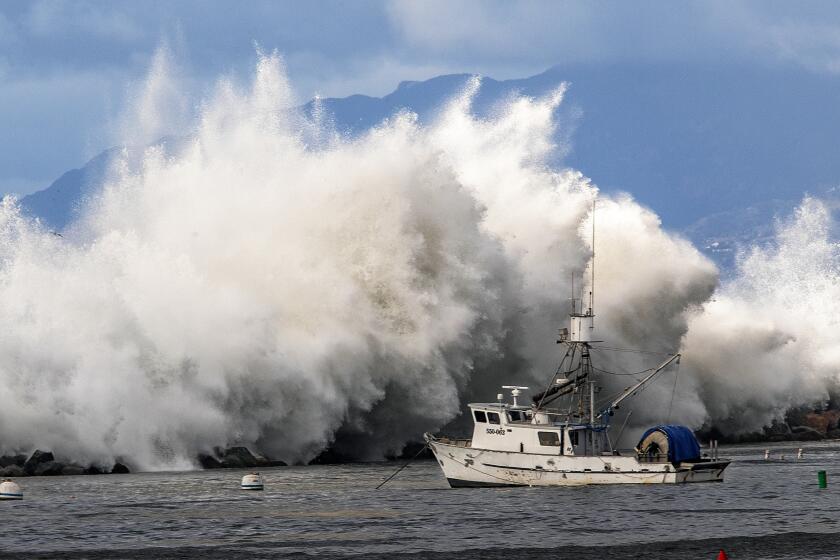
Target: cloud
577, 32
8, 33
495, 29
104, 20
815, 46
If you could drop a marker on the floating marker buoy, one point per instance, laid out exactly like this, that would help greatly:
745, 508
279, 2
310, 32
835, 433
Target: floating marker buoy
766, 454
252, 481
799, 453
10, 491
822, 479
722, 555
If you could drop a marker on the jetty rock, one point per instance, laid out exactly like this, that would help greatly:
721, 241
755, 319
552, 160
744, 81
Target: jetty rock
12, 471
44, 463
806, 433
239, 457
236, 457
208, 462
8, 460
50, 468
38, 458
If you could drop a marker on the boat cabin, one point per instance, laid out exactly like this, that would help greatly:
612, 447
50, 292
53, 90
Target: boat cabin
504, 427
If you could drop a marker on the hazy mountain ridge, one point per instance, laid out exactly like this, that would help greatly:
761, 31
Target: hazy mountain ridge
57, 205
716, 153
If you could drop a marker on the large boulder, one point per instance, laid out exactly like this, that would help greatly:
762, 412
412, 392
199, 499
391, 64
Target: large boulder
209, 462
38, 458
119, 468
51, 468
331, 456
238, 457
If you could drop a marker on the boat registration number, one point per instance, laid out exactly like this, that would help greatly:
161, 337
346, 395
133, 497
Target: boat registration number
499, 432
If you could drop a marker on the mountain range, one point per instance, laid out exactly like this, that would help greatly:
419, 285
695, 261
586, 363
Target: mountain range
716, 152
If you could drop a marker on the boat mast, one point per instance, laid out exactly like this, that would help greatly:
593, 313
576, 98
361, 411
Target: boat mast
579, 383
592, 327
592, 270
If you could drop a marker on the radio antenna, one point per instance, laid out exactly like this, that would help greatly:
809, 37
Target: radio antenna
592, 287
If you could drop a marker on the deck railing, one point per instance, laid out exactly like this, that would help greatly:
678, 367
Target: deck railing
457, 442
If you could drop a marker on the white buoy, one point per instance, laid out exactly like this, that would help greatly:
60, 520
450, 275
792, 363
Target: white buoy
766, 454
10, 491
252, 481
799, 453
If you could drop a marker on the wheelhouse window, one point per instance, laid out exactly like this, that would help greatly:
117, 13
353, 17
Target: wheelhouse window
549, 438
493, 418
516, 416
480, 416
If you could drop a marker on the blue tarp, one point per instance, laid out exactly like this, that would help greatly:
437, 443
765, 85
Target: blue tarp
682, 445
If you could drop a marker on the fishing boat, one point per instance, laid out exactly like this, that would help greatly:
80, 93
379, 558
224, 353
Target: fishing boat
563, 438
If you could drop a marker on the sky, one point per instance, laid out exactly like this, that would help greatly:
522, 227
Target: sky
69, 69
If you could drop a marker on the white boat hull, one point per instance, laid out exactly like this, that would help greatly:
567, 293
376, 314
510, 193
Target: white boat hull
470, 467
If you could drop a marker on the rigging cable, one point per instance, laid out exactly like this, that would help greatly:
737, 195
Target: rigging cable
638, 390
673, 393
619, 374
633, 350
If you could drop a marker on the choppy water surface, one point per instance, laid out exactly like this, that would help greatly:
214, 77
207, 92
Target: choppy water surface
334, 511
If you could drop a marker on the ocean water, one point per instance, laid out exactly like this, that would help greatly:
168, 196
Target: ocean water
765, 509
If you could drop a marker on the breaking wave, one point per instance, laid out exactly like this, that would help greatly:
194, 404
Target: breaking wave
269, 281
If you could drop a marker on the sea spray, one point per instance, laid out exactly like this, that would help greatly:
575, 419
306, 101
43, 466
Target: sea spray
267, 281
769, 339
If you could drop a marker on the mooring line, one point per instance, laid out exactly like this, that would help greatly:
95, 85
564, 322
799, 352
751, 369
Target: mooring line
422, 449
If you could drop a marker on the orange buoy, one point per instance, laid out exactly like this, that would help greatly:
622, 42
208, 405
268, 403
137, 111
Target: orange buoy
722, 555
